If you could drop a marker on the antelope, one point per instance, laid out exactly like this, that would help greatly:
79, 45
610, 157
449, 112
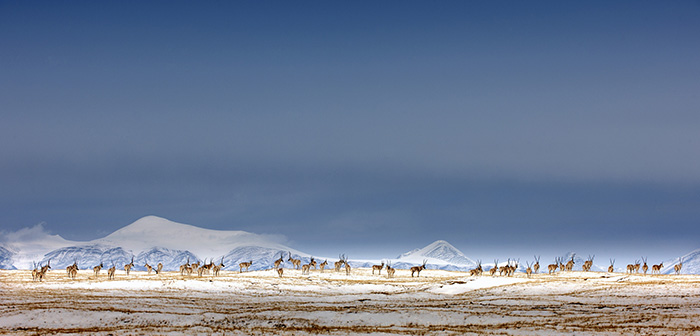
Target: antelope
645, 268
35, 272
217, 268
307, 267
504, 268
513, 268
244, 265
588, 264
70, 267
630, 267
536, 266
183, 268
280, 271
148, 268
378, 268
528, 270
585, 267
473, 272
509, 269
295, 262
110, 272
562, 267
44, 269
38, 273
338, 264
657, 268
97, 269
494, 268
72, 270
347, 267
195, 266
611, 268
210, 266
636, 266
570, 264
280, 260
678, 266
159, 268
128, 266
390, 270
417, 269
205, 268
200, 270
553, 267
323, 265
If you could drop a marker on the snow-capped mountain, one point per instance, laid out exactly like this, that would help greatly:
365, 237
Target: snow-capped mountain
150, 239
153, 239
691, 264
151, 231
438, 255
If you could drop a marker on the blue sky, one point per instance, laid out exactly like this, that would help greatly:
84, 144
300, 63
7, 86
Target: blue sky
377, 127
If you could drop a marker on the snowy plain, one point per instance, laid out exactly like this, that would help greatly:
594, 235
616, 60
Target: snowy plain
436, 303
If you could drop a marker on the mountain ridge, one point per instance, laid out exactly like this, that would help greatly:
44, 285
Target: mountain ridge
155, 239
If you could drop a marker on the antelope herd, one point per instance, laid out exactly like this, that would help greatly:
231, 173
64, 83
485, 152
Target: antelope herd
39, 272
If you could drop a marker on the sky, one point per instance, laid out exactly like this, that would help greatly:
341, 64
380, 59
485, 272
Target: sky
363, 128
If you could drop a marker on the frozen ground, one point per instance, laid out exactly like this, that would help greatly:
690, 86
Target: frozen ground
439, 302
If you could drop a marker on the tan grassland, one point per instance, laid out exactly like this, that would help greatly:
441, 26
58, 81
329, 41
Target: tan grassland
437, 303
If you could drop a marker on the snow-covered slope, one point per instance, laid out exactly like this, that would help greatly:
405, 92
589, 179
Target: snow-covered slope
171, 259
29, 245
6, 259
89, 256
439, 255
691, 264
262, 258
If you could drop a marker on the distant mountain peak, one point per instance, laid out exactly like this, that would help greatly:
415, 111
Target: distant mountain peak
150, 231
158, 229
439, 251
151, 224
